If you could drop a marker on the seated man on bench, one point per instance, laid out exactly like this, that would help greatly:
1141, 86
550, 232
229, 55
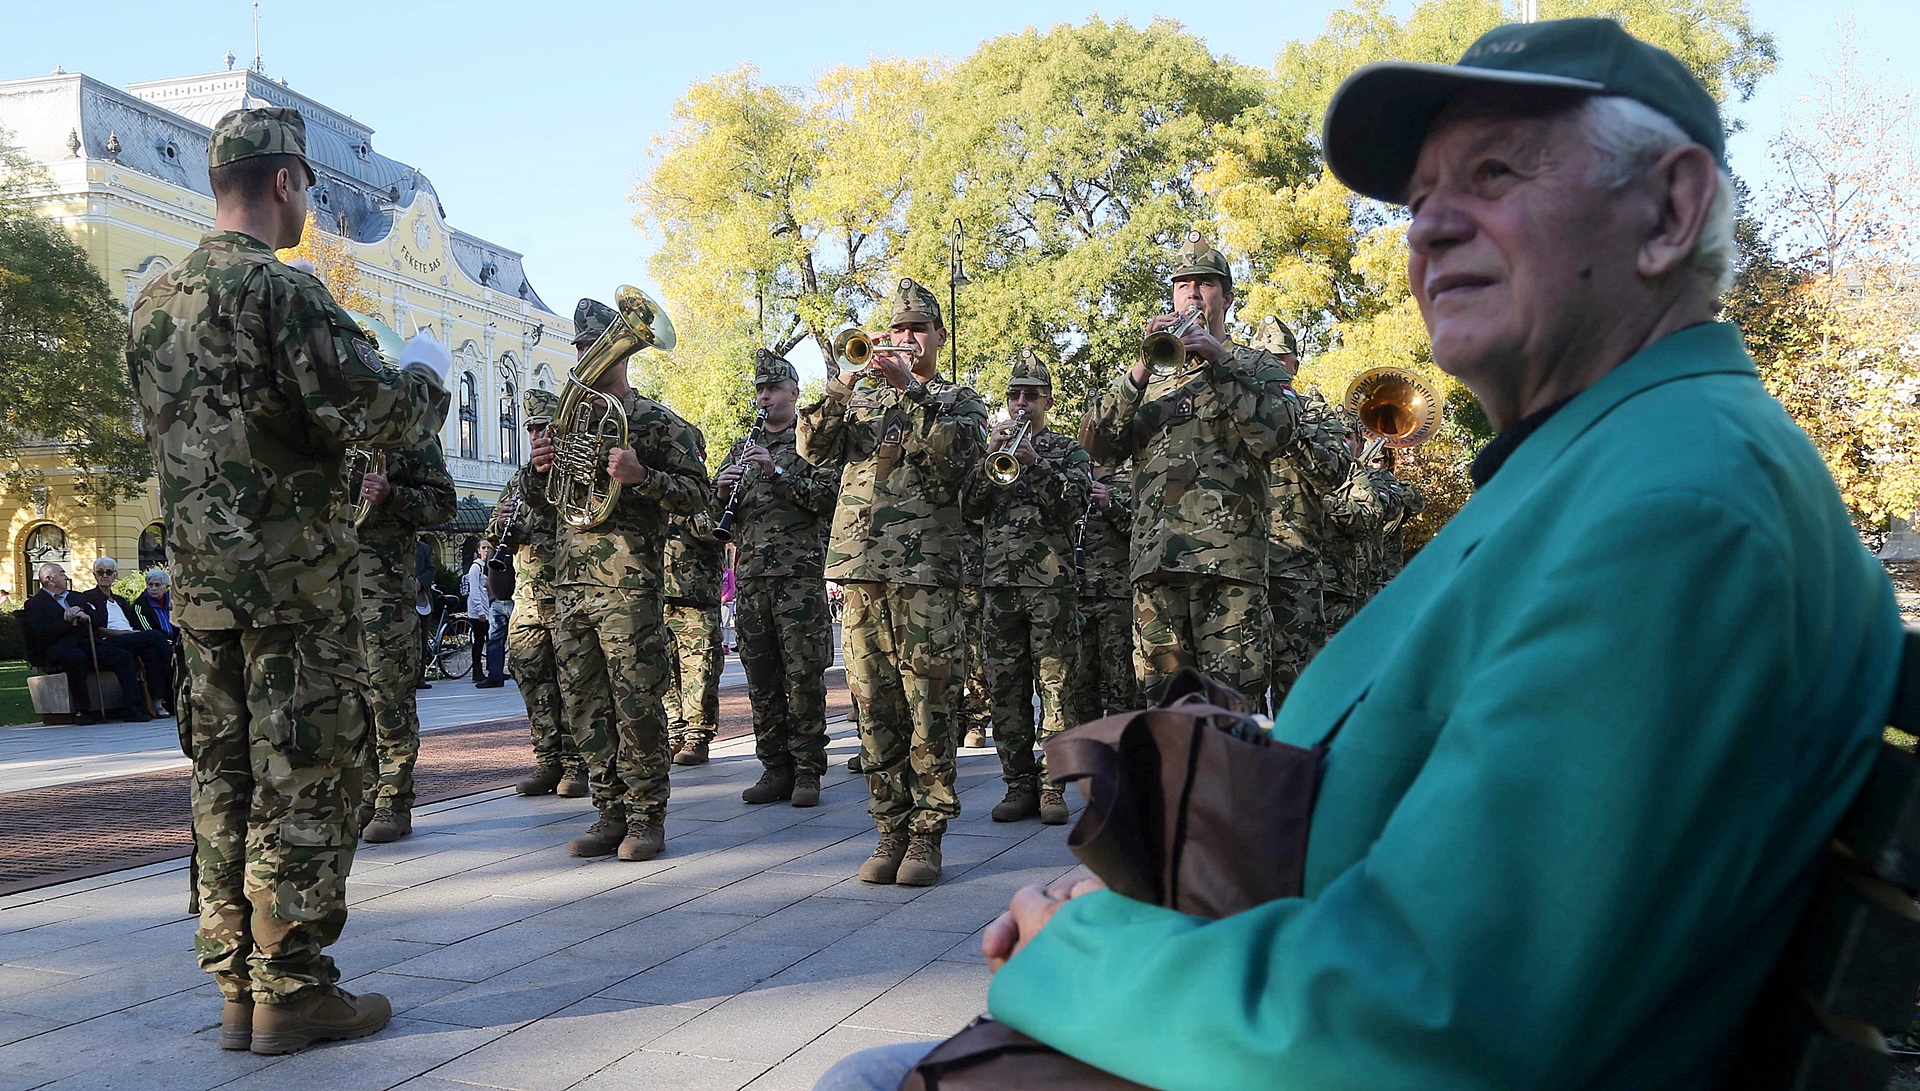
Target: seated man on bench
124, 629
71, 638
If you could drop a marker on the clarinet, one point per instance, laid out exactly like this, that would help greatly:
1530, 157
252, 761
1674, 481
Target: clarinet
723, 530
1080, 539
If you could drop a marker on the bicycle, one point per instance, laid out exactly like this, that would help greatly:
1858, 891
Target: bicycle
450, 651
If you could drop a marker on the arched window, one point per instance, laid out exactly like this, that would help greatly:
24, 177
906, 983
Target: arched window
469, 418
153, 547
509, 425
543, 377
44, 543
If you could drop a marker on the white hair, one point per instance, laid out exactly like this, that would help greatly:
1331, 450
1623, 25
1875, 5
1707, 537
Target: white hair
109, 562
159, 574
48, 568
1628, 136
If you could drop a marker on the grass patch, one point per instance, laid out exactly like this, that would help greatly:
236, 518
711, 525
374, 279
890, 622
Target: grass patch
15, 707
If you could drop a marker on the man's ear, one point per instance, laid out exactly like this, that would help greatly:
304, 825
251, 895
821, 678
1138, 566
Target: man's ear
1684, 182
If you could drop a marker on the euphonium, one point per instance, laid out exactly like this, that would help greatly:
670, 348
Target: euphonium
723, 530
1165, 352
1003, 467
589, 424
361, 461
1396, 408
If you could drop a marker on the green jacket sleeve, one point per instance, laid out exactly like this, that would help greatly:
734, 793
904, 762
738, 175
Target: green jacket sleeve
822, 435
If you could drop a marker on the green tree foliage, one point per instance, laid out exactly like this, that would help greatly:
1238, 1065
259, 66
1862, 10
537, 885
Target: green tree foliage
62, 354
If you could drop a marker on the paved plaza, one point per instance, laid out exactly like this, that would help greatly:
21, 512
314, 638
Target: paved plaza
746, 956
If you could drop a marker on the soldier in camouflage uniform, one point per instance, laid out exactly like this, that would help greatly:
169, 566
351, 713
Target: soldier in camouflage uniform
526, 533
416, 491
609, 637
1032, 622
1103, 681
1313, 465
905, 439
1201, 438
1399, 502
779, 527
694, 563
263, 554
1354, 513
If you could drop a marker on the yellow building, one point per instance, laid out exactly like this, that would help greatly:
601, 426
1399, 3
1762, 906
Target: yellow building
129, 181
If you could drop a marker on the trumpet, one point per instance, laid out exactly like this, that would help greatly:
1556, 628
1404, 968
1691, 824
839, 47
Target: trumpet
361, 461
723, 530
1164, 350
858, 348
590, 424
1396, 409
1003, 466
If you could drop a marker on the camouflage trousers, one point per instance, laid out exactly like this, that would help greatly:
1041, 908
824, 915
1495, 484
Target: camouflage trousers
1103, 679
1340, 608
693, 687
392, 633
1299, 629
530, 654
905, 656
786, 645
1031, 637
274, 721
1219, 626
976, 704
612, 651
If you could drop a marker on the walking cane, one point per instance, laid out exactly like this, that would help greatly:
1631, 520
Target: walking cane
93, 680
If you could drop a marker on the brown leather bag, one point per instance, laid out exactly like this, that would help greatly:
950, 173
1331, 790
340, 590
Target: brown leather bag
1190, 806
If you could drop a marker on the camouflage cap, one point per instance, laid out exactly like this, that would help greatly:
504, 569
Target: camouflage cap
913, 302
264, 130
591, 319
770, 367
1029, 371
539, 406
1197, 259
1275, 336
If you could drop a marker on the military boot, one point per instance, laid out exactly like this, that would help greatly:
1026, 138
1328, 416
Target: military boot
806, 789
644, 840
922, 864
1053, 806
1022, 802
774, 785
855, 765
677, 745
601, 838
573, 784
390, 823
543, 781
694, 754
884, 864
236, 1024
323, 1014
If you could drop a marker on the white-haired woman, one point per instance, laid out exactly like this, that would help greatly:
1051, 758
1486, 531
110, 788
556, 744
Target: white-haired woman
155, 605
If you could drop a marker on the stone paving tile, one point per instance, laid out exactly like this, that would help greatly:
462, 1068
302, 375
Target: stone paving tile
409, 1046
531, 991
800, 1071
937, 1000
14, 1026
672, 1072
566, 1047
405, 993
448, 915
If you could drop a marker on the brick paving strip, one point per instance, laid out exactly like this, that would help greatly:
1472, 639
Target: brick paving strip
74, 831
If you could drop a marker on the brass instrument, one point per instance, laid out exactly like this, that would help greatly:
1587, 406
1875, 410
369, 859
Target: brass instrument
723, 530
589, 424
361, 461
1396, 408
858, 348
1003, 467
1164, 350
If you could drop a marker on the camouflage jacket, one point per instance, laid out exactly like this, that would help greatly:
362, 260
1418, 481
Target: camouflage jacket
422, 496
1399, 502
625, 551
1201, 441
1352, 551
1108, 536
692, 561
252, 383
1315, 464
780, 528
526, 532
1029, 524
903, 460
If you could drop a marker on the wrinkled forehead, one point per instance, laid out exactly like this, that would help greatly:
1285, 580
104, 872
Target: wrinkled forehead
1506, 120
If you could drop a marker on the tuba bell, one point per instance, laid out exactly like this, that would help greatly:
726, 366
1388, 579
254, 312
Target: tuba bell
1396, 408
589, 424
361, 461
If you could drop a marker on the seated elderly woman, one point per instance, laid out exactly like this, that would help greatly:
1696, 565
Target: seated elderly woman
1585, 748
155, 605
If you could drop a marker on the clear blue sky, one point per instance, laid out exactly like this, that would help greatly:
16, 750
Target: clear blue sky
533, 120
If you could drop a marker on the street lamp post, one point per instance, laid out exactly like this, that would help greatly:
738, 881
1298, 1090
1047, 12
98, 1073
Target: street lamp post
956, 279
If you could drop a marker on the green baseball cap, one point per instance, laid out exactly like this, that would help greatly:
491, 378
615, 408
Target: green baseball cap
1198, 259
1379, 117
912, 302
771, 367
1029, 371
264, 130
591, 319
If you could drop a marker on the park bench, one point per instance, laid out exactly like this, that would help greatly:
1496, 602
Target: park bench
1849, 975
51, 696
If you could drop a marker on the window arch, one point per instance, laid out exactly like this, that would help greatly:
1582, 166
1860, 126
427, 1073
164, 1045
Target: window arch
469, 418
40, 545
153, 547
543, 377
509, 424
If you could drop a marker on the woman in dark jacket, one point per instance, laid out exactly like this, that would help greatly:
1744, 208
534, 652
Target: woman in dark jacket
154, 607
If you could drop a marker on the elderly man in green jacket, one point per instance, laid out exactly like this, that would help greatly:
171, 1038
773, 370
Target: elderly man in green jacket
1584, 748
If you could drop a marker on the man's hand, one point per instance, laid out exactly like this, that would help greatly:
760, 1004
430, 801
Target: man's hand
894, 368
624, 465
728, 479
1025, 452
76, 615
758, 456
376, 489
1102, 496
540, 453
1200, 342
1032, 908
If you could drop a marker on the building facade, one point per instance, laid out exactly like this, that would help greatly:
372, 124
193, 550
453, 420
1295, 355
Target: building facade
128, 170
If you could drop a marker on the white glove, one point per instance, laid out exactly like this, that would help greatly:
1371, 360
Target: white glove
425, 349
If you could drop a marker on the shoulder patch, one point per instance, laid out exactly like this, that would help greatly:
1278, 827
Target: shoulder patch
365, 351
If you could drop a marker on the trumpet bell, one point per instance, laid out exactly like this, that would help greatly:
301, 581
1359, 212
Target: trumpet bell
1395, 406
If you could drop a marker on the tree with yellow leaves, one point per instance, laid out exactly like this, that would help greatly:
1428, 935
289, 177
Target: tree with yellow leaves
333, 262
